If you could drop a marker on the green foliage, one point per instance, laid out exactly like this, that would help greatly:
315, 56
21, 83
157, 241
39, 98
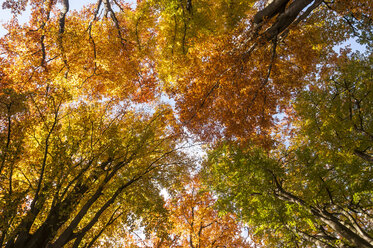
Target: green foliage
291, 196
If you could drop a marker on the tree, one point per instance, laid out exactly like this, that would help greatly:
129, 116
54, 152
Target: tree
316, 192
194, 223
85, 143
236, 79
75, 164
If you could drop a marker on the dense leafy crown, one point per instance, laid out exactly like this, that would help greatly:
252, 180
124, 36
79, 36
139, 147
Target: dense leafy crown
99, 105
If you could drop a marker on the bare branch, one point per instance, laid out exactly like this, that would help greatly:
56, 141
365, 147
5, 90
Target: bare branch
63, 13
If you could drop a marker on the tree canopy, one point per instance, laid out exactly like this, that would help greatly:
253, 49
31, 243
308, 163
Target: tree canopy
101, 107
318, 190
